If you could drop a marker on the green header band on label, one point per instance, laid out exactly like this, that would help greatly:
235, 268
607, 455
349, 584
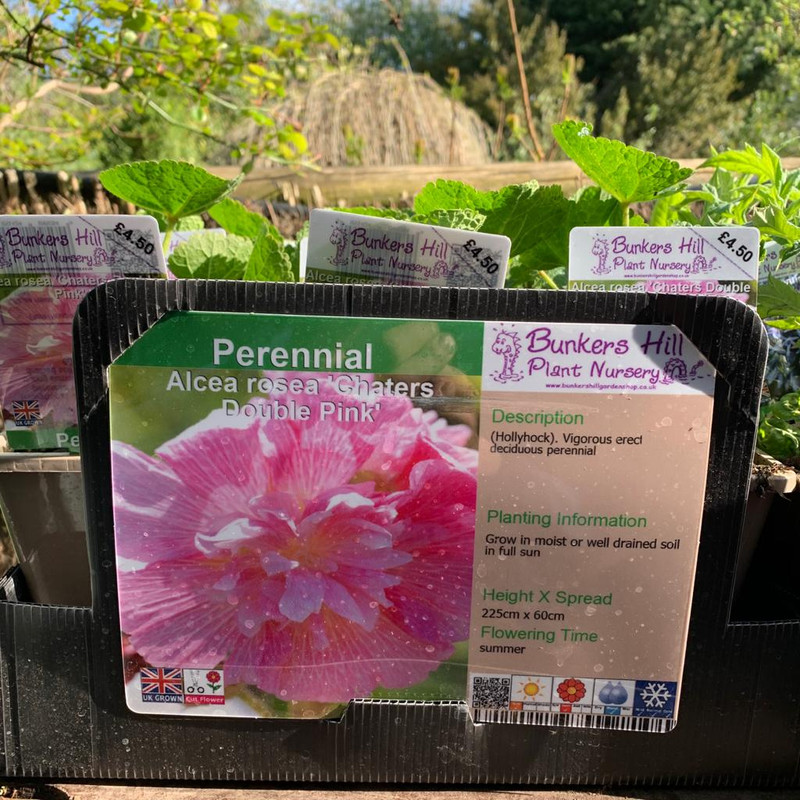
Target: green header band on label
224, 341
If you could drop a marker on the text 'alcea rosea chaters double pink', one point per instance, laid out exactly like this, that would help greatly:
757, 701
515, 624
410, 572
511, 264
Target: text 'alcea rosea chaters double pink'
316, 560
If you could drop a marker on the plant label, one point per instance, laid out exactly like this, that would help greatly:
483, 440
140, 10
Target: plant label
310, 510
353, 248
47, 265
722, 262
592, 461
787, 270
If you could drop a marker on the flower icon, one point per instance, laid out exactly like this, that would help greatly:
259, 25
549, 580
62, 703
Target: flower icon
213, 676
315, 559
571, 690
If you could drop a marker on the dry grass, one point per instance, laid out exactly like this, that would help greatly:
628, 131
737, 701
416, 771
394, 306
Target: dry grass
368, 117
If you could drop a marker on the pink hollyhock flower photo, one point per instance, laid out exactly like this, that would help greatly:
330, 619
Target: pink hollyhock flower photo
314, 559
36, 351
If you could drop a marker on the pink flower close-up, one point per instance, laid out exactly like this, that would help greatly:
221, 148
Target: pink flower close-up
316, 560
36, 351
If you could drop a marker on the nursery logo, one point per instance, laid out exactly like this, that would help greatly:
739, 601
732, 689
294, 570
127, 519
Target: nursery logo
701, 264
506, 345
26, 413
161, 685
676, 370
600, 249
338, 239
203, 687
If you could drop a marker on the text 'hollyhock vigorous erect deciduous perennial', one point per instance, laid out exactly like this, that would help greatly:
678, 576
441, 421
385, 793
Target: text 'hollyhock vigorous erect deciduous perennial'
316, 560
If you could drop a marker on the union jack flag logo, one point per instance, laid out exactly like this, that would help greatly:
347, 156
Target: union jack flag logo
26, 412
161, 685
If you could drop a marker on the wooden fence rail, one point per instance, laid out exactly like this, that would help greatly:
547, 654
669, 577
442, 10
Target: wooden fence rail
50, 192
388, 185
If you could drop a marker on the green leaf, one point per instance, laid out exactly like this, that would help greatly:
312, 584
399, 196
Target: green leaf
209, 255
269, 260
750, 162
238, 220
778, 299
627, 173
466, 219
666, 208
773, 222
386, 213
452, 195
525, 213
785, 324
173, 188
589, 207
191, 223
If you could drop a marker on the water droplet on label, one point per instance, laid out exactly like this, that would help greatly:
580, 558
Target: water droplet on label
126, 741
638, 590
590, 610
598, 667
249, 624
430, 649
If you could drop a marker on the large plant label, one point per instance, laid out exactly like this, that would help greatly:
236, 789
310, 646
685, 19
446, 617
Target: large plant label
47, 265
592, 462
721, 262
310, 510
353, 248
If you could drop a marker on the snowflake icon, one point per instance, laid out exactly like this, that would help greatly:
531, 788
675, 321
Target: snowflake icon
655, 695
655, 699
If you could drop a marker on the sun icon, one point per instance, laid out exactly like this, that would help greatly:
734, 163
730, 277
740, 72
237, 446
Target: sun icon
531, 689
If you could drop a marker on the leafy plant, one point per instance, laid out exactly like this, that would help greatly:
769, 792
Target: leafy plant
779, 429
177, 193
628, 174
71, 69
538, 219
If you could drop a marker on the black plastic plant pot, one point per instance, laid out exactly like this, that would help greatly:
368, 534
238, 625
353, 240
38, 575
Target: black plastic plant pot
64, 680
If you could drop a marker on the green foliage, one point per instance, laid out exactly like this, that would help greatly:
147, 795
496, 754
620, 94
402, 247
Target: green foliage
452, 195
464, 218
233, 217
779, 304
174, 189
629, 174
492, 82
783, 363
269, 260
209, 255
779, 428
177, 193
104, 61
693, 73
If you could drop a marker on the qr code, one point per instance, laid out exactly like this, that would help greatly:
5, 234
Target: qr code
490, 691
